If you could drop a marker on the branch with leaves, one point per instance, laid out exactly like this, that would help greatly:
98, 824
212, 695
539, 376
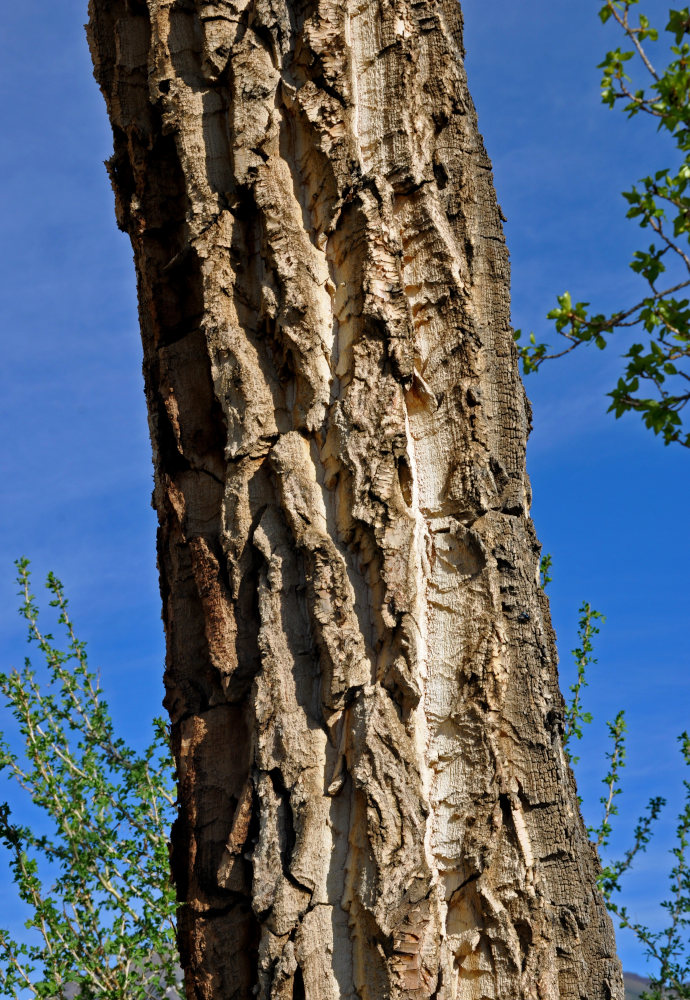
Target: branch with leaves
656, 379
669, 948
574, 717
93, 874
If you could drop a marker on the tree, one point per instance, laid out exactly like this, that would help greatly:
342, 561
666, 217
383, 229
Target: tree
661, 205
361, 677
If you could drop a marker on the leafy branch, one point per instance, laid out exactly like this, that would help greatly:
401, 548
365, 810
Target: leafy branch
669, 948
574, 717
656, 379
94, 880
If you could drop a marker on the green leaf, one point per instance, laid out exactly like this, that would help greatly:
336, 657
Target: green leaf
679, 23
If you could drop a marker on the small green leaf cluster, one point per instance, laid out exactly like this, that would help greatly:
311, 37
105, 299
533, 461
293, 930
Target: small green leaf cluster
656, 377
95, 877
669, 948
574, 717
616, 758
545, 564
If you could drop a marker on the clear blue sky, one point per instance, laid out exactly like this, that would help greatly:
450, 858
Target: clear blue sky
610, 502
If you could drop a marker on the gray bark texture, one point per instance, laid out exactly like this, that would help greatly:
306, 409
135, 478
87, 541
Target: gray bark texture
361, 675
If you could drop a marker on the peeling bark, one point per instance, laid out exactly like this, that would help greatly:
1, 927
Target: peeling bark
361, 673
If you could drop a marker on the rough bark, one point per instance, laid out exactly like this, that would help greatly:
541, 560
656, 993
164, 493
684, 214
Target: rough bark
361, 673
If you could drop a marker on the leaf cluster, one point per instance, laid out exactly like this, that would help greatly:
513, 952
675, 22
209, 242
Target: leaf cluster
574, 717
93, 874
669, 948
656, 376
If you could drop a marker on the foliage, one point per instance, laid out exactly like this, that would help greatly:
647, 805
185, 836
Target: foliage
545, 577
659, 363
101, 904
669, 949
574, 716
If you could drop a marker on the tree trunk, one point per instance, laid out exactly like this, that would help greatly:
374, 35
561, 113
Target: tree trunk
361, 676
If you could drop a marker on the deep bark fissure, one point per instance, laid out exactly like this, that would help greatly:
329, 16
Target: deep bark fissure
360, 667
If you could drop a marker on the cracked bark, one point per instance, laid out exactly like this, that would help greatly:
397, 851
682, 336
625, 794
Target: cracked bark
360, 669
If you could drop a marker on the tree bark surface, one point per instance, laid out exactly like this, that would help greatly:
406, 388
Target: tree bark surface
361, 673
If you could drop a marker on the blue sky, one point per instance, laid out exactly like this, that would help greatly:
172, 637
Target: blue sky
610, 502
